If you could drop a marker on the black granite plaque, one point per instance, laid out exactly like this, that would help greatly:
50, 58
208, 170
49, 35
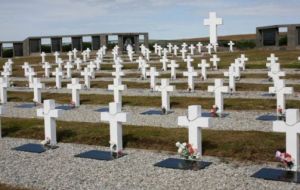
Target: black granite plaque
182, 164
278, 175
33, 148
98, 155
267, 117
26, 106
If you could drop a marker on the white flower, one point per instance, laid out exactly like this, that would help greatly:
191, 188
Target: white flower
178, 144
183, 144
180, 150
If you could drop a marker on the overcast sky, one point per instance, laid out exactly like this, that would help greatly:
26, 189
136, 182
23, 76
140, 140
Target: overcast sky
163, 19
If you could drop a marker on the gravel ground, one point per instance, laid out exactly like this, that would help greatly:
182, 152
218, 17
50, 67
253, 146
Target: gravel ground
236, 120
59, 169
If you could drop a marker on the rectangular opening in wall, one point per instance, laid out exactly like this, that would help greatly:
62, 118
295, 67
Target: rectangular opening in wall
56, 44
7, 50
112, 41
66, 44
46, 45
96, 42
34, 46
77, 43
269, 37
283, 36
298, 31
86, 42
18, 49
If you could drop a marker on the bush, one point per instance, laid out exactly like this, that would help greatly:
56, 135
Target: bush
245, 44
86, 45
67, 48
7, 53
46, 48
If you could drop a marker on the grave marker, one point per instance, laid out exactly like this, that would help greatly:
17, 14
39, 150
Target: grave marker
173, 65
37, 87
165, 88
190, 74
117, 87
75, 86
218, 89
153, 74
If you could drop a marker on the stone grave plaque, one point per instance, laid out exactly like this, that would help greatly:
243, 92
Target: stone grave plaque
26, 106
267, 117
33, 148
98, 155
182, 164
278, 175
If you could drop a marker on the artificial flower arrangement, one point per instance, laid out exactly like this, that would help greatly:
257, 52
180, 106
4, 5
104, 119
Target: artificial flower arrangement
187, 151
285, 158
72, 104
113, 150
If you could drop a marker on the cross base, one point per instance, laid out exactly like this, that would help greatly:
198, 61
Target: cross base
99, 155
278, 175
181, 164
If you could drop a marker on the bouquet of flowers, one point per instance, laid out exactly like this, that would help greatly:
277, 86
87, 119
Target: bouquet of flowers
187, 151
285, 158
113, 150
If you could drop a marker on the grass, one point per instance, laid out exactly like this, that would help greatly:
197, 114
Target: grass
176, 102
9, 187
239, 145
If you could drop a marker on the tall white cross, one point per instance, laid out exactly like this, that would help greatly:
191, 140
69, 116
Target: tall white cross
37, 90
59, 63
69, 66
78, 64
183, 52
153, 74
275, 73
75, 86
292, 129
75, 53
192, 48
70, 54
25, 67
84, 56
46, 66
170, 47
3, 90
92, 66
209, 48
165, 88
159, 48
175, 49
195, 122
164, 62
165, 52
231, 44
155, 48
117, 88
213, 23
144, 67
115, 118
188, 61
43, 55
219, 89
190, 74
272, 60
98, 62
281, 90
215, 61
88, 53
50, 114
87, 77
30, 75
56, 54
139, 61
173, 65
199, 46
231, 75
243, 59
184, 45
203, 65
58, 76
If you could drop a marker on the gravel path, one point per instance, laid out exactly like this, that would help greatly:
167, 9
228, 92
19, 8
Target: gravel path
58, 169
236, 120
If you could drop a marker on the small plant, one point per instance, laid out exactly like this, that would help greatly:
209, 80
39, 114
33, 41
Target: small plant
186, 151
285, 158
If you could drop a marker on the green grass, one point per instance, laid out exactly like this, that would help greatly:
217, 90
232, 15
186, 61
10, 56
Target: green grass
239, 145
176, 102
10, 187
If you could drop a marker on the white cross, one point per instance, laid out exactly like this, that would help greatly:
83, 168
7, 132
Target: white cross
165, 52
164, 62
281, 91
6, 73
98, 62
183, 52
153, 74
87, 77
117, 87
84, 56
231, 44
88, 53
292, 129
219, 89
173, 65
192, 48
170, 47
273, 59
195, 122
237, 68
190, 74
115, 118
37, 87
165, 88
59, 63
139, 61
92, 68
70, 54
147, 54
175, 49
215, 61
69, 66
243, 60
78, 64
144, 67
58, 76
75, 86
115, 54
188, 61
3, 90
43, 55
47, 68
2, 111
275, 73
231, 75
155, 48
50, 114
203, 67
209, 48
25, 67
213, 23
199, 45
30, 75
159, 48
75, 53
184, 45
56, 54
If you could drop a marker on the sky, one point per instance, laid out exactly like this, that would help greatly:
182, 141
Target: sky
163, 19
